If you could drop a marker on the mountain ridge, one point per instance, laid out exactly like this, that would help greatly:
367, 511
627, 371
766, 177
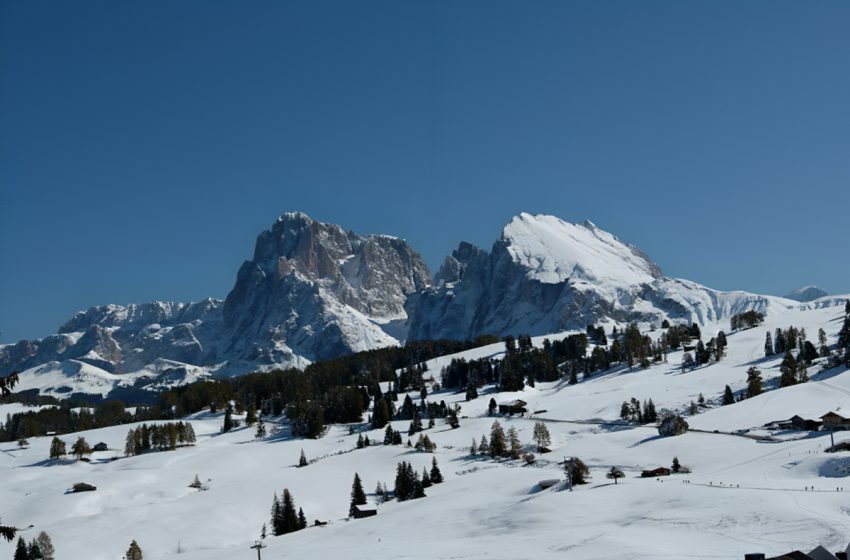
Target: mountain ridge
313, 291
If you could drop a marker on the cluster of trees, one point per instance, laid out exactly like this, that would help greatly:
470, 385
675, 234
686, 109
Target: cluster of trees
160, 437
79, 449
793, 338
409, 485
746, 320
392, 437
576, 471
39, 548
272, 392
703, 353
792, 371
631, 411
71, 416
285, 519
500, 445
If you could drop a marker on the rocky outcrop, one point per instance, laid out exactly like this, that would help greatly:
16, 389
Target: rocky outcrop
317, 291
311, 291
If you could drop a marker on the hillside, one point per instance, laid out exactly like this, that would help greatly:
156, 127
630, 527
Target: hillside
743, 495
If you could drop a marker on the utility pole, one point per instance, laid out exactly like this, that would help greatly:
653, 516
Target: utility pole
258, 545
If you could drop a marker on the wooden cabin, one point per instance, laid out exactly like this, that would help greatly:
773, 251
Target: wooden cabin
834, 421
513, 407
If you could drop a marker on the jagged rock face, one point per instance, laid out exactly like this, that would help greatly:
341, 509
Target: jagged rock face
546, 275
311, 291
316, 290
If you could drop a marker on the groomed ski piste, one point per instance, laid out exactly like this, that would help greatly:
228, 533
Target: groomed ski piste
750, 489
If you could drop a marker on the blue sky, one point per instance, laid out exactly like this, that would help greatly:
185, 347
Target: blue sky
144, 145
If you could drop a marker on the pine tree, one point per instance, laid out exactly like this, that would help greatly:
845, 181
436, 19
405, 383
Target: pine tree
491, 407
473, 449
541, 436
277, 517
33, 552
45, 546
358, 496
134, 552
426, 478
754, 382
497, 440
57, 448
263, 532
21, 550
779, 342
251, 414
418, 489
388, 435
228, 419
676, 467
768, 345
380, 414
788, 371
515, 447
261, 430
288, 515
360, 444
728, 396
436, 475
302, 519
823, 349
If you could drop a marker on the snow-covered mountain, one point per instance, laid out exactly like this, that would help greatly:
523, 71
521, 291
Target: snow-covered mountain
315, 291
311, 291
547, 275
807, 293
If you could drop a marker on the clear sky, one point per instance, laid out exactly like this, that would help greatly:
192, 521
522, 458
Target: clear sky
144, 145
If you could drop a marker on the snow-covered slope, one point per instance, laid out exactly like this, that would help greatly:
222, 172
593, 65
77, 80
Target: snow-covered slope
546, 275
807, 293
744, 495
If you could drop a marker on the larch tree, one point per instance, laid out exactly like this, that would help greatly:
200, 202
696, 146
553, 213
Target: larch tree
81, 447
541, 436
